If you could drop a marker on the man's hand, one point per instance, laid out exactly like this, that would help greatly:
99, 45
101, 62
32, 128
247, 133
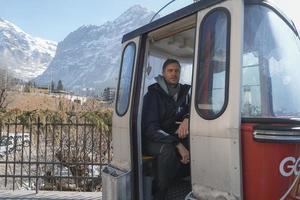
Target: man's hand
183, 128
184, 153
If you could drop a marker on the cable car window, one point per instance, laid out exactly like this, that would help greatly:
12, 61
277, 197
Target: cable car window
270, 66
213, 64
125, 79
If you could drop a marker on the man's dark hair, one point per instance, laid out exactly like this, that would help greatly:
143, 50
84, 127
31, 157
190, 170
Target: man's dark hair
170, 61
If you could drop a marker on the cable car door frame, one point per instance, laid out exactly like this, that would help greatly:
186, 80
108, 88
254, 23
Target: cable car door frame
215, 143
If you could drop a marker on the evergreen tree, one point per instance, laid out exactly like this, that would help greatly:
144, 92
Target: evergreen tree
60, 85
52, 86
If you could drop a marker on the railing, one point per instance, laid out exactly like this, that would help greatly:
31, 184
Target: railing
53, 155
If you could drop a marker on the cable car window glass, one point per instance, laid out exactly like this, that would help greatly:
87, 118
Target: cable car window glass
213, 65
271, 61
126, 71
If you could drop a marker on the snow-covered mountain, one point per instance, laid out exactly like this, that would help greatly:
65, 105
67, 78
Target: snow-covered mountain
24, 56
89, 57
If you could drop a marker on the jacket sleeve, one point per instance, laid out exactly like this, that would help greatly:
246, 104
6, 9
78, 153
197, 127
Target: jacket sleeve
151, 129
187, 106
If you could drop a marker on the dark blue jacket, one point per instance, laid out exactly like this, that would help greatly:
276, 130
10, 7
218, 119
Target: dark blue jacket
161, 114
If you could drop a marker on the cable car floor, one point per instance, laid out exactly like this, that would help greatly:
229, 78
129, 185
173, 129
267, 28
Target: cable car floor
177, 191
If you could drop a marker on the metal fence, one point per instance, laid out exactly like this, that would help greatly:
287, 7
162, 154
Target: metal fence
47, 155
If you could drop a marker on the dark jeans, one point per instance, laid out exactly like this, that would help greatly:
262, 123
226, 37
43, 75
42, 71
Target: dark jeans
168, 165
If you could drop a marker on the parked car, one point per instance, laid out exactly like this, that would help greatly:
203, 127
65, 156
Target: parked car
6, 145
13, 140
18, 137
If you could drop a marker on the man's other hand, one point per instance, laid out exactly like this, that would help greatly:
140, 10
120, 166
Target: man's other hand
183, 128
184, 153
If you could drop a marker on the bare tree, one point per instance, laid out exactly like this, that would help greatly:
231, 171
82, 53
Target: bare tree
3, 88
3, 96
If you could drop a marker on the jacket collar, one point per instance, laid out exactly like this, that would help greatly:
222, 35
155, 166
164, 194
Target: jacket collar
184, 89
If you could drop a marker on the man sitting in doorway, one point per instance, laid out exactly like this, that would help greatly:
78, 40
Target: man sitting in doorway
165, 127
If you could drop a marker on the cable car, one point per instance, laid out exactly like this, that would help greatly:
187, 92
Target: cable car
242, 60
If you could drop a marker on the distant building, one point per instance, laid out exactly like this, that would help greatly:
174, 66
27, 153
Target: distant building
109, 94
76, 99
40, 89
61, 92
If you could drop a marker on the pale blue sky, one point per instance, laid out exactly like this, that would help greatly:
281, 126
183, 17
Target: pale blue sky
54, 19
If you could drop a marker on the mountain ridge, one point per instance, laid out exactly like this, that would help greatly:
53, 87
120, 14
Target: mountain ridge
23, 55
89, 57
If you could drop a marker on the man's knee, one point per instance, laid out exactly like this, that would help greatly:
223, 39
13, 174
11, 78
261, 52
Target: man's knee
168, 150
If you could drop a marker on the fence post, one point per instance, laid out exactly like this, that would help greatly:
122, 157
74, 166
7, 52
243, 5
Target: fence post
15, 140
100, 148
108, 146
37, 156
6, 153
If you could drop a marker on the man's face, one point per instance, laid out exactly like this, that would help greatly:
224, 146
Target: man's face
172, 73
